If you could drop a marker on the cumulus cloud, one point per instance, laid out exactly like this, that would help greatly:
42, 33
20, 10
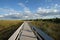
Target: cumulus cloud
25, 9
48, 12
14, 14
44, 10
57, 5
10, 13
27, 12
1, 16
21, 4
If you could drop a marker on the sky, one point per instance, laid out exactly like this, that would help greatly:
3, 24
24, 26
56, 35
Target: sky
29, 9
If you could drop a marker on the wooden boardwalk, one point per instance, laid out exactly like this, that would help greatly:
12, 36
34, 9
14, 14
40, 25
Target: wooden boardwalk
27, 33
24, 32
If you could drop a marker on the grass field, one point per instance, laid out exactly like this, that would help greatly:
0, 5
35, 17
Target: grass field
7, 28
51, 28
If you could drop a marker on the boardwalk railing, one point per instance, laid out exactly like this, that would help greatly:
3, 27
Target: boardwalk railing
40, 34
16, 35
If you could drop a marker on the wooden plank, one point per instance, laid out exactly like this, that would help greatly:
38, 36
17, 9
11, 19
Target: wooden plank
27, 33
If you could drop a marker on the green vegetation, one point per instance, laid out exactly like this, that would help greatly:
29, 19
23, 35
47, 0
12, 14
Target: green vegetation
49, 26
8, 27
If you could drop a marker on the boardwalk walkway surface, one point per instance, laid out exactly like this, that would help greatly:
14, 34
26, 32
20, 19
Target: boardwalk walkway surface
27, 33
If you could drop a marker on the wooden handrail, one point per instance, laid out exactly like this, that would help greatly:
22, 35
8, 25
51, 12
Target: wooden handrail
16, 35
40, 34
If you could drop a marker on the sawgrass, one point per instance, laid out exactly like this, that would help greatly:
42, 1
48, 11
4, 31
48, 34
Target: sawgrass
51, 28
8, 27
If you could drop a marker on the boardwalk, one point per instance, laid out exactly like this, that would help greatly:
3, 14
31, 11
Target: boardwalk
27, 33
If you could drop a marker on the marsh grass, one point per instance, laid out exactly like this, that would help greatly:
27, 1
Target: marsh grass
51, 28
8, 27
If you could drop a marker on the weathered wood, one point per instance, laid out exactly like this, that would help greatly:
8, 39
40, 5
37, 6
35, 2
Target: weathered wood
27, 33
15, 34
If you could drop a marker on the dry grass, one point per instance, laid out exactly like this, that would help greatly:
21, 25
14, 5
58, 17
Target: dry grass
52, 29
7, 28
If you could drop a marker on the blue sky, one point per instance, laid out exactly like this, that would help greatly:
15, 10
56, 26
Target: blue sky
29, 9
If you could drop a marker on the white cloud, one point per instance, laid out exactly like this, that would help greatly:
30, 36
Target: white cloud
25, 9
44, 10
55, 10
1, 16
13, 14
27, 14
57, 5
48, 12
6, 14
22, 5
